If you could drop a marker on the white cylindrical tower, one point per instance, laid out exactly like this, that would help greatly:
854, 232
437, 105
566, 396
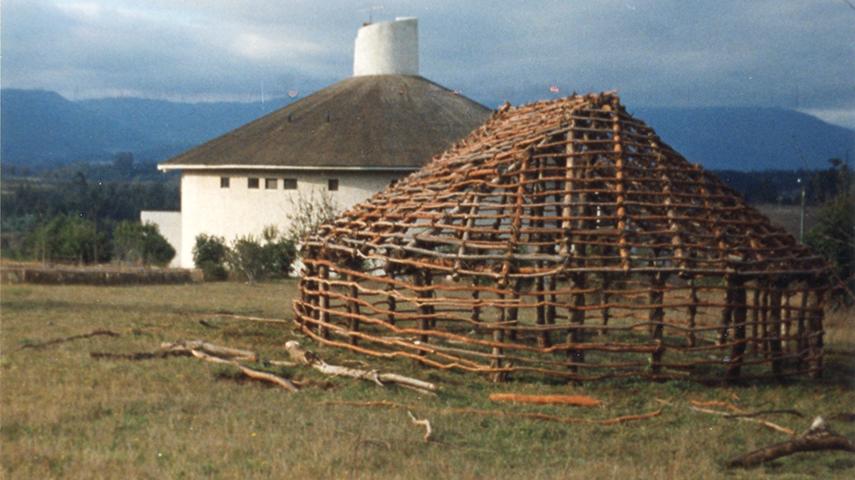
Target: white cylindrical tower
387, 48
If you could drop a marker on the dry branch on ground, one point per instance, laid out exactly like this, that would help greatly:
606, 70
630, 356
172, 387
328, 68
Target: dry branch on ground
209, 353
306, 357
56, 341
819, 437
232, 356
574, 400
740, 414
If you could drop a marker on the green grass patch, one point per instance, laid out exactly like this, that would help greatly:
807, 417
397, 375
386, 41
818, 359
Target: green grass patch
66, 415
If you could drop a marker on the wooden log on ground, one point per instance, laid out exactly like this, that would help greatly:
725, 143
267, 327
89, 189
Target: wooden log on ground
574, 400
819, 437
306, 357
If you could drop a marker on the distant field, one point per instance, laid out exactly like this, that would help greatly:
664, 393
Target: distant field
788, 216
66, 415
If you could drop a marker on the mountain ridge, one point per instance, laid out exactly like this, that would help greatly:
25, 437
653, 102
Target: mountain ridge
42, 128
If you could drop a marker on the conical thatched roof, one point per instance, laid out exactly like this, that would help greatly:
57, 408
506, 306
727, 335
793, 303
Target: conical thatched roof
568, 205
375, 121
614, 184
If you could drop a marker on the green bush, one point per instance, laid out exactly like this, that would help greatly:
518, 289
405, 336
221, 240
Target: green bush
254, 260
246, 258
209, 255
67, 238
279, 256
834, 236
141, 244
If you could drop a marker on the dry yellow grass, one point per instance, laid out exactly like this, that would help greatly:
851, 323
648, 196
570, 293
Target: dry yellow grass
65, 415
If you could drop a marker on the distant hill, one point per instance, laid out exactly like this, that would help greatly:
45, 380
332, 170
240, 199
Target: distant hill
749, 138
174, 123
41, 128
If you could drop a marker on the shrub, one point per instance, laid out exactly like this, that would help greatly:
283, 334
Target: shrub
246, 258
209, 255
309, 212
279, 255
141, 244
65, 237
254, 260
834, 236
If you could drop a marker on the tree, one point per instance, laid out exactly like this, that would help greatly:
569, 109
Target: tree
65, 238
307, 213
834, 236
209, 255
136, 243
279, 253
254, 260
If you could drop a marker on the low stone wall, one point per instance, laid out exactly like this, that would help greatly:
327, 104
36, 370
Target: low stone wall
61, 274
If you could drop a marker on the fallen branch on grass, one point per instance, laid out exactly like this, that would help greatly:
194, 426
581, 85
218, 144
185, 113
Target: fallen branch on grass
502, 413
209, 353
817, 438
766, 423
93, 333
425, 423
136, 355
739, 412
247, 318
306, 357
782, 411
574, 400
210, 348
844, 417
219, 354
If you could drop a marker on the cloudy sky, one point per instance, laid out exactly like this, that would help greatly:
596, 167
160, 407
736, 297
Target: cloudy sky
786, 53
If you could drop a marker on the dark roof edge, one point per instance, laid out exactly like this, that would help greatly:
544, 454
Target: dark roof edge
165, 167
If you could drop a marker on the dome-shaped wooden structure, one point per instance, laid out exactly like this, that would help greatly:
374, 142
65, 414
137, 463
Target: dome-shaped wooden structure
564, 238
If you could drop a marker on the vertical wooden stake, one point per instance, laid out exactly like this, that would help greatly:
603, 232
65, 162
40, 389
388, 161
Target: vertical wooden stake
693, 312
775, 323
755, 316
353, 308
656, 317
577, 319
324, 302
726, 313
816, 332
739, 298
390, 301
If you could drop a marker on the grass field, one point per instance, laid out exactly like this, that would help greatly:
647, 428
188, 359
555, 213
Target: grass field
66, 415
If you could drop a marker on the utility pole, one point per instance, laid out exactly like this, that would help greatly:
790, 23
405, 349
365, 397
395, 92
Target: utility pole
802, 182
802, 214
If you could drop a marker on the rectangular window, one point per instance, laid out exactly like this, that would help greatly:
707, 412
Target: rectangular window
332, 184
252, 182
224, 182
289, 183
271, 183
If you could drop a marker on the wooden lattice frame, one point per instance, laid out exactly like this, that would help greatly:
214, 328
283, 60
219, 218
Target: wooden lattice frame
564, 238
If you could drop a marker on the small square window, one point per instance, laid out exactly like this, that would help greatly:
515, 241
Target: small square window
224, 182
332, 184
289, 183
252, 182
271, 183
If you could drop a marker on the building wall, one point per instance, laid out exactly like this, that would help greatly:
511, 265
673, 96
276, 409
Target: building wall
238, 210
169, 224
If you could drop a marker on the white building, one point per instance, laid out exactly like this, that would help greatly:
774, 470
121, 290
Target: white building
350, 139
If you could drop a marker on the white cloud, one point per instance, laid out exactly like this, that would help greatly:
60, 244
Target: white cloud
787, 53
